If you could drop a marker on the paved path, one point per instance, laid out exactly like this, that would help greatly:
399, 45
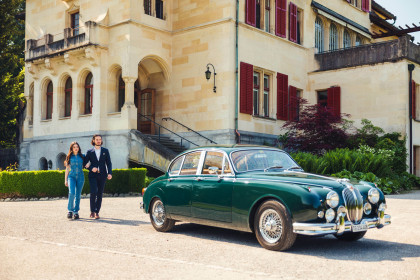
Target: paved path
38, 242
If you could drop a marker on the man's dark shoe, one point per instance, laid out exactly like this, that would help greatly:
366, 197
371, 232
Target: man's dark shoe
92, 214
76, 216
69, 215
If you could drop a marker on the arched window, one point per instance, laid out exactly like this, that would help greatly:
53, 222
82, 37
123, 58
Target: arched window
68, 97
121, 93
43, 164
49, 100
358, 41
333, 37
319, 35
346, 39
61, 157
88, 93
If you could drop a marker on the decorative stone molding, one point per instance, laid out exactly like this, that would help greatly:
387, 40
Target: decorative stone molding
50, 65
92, 56
70, 60
33, 70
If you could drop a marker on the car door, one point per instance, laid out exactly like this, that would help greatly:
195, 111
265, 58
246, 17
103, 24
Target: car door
180, 182
212, 189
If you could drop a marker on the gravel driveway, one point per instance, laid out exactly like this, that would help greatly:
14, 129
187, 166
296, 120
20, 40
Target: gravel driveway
38, 242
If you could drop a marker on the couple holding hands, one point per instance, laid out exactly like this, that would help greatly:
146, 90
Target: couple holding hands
98, 161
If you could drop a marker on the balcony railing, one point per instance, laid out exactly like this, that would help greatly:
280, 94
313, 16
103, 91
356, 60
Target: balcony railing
54, 44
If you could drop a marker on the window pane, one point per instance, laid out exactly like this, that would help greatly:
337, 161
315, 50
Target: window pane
67, 103
267, 16
346, 39
176, 166
333, 37
319, 35
68, 83
49, 106
190, 164
148, 7
89, 80
159, 9
121, 93
226, 167
213, 163
88, 105
322, 98
256, 93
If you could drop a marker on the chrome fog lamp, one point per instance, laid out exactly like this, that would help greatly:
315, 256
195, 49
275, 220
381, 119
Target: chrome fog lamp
367, 208
373, 195
342, 210
332, 199
321, 214
382, 207
329, 215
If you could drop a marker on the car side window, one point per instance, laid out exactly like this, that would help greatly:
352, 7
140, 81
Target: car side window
227, 170
212, 163
176, 166
190, 164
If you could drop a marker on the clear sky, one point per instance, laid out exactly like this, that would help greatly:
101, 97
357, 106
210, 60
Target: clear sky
407, 12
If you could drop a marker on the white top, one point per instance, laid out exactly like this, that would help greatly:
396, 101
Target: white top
98, 154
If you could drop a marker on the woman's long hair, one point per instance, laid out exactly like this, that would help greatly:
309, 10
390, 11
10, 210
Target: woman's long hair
67, 161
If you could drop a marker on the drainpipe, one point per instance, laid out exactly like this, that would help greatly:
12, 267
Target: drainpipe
410, 113
237, 136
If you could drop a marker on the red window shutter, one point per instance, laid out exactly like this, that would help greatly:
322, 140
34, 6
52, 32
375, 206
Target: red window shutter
365, 5
293, 104
246, 85
282, 96
281, 17
250, 12
292, 22
413, 99
334, 100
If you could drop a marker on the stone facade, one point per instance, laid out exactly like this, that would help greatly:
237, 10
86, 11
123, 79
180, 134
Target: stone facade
159, 57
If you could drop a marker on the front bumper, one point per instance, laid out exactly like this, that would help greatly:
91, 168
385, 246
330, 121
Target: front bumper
340, 227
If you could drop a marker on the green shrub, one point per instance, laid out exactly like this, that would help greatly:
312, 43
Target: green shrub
343, 159
51, 183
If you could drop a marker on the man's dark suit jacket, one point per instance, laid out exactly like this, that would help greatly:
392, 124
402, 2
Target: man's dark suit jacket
103, 163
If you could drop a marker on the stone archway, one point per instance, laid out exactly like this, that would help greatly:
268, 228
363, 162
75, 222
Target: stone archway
152, 77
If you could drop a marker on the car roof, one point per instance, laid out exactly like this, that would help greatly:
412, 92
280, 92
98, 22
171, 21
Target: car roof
230, 147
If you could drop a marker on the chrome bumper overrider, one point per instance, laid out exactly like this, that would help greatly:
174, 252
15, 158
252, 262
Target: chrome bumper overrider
339, 227
141, 205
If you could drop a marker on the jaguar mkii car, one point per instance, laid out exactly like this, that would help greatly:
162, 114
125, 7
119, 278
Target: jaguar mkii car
262, 190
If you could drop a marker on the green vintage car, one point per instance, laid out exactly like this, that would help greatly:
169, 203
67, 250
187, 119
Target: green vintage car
261, 190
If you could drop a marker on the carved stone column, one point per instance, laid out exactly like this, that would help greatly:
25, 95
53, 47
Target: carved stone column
129, 110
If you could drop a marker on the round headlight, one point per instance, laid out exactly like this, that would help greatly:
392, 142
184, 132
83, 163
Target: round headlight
382, 207
367, 208
329, 215
332, 199
373, 195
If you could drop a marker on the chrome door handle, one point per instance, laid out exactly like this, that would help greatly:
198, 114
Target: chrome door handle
198, 179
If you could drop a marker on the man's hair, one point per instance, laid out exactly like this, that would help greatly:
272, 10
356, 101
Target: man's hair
93, 139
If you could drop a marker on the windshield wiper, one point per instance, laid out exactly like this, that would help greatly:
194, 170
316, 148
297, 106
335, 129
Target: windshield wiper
294, 167
272, 167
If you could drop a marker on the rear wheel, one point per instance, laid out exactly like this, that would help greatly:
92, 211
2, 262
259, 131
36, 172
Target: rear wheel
158, 217
351, 236
273, 226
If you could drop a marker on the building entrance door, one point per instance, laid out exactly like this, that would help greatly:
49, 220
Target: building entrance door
146, 111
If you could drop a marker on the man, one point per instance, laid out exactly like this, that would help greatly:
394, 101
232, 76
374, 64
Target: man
100, 170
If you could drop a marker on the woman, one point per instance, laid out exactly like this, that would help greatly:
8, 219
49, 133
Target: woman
74, 178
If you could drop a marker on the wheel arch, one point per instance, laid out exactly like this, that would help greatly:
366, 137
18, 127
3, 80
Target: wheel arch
258, 203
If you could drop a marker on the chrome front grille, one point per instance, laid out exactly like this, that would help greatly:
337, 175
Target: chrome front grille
354, 204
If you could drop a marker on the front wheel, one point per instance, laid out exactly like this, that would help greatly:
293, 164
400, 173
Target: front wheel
350, 236
273, 226
158, 217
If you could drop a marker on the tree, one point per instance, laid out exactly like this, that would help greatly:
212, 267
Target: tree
12, 36
317, 130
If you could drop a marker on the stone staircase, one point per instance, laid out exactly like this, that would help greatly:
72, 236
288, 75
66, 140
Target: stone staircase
168, 143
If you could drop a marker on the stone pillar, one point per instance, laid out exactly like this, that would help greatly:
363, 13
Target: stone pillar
129, 110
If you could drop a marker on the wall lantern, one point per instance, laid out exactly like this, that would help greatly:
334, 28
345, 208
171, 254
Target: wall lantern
208, 75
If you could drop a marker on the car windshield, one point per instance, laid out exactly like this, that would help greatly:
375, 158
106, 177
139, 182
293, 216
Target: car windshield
262, 159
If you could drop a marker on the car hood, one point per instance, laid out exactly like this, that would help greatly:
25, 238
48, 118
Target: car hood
307, 180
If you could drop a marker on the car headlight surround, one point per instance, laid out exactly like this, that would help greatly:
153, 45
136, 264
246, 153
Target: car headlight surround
332, 199
329, 215
367, 208
373, 195
382, 207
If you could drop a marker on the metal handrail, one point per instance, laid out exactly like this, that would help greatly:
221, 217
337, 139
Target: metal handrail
161, 126
190, 129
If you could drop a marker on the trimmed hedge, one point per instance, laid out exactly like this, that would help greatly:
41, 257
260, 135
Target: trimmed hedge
51, 183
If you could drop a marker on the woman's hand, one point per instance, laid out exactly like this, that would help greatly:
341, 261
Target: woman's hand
66, 183
87, 165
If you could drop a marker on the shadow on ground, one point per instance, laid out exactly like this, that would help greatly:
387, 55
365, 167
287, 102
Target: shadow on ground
113, 221
328, 247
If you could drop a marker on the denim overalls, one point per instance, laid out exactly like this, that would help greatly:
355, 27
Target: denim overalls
76, 179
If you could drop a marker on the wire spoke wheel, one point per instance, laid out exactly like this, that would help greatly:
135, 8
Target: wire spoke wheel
270, 226
158, 216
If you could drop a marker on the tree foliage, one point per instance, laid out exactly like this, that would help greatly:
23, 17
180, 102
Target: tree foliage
12, 36
318, 130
